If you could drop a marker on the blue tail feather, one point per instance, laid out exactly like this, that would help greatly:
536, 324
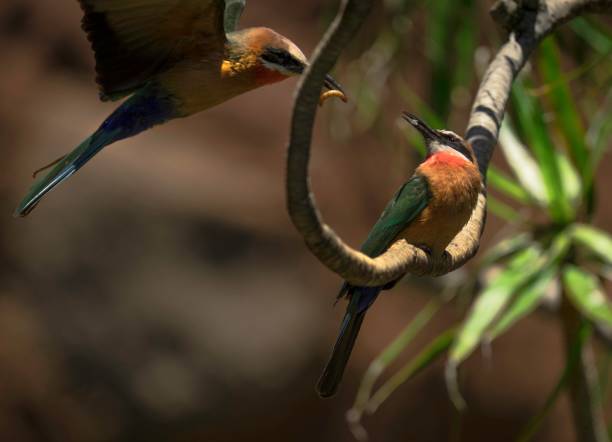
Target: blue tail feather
140, 112
361, 299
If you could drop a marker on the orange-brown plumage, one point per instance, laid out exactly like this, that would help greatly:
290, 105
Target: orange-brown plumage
454, 184
201, 83
172, 58
427, 211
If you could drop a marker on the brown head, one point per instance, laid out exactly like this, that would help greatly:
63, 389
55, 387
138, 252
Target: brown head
269, 56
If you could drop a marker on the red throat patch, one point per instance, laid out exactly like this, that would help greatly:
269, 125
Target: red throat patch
445, 159
265, 76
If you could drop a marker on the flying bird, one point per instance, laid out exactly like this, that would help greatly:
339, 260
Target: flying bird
171, 59
427, 211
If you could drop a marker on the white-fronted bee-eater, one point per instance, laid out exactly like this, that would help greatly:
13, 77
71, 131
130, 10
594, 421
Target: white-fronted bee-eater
170, 59
427, 211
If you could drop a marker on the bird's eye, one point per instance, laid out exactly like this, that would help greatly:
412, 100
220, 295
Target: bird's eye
270, 57
276, 56
452, 138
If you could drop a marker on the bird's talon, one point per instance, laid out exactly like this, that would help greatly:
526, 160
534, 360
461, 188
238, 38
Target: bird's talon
333, 93
425, 249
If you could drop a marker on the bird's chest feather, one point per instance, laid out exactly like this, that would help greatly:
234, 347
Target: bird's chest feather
454, 184
200, 86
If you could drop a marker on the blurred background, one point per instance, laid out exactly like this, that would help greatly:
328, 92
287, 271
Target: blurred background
162, 294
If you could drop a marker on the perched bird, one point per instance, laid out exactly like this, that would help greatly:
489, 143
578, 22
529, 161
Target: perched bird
172, 58
427, 211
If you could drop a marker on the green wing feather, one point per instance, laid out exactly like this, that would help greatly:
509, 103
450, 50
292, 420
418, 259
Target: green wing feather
407, 203
233, 12
405, 206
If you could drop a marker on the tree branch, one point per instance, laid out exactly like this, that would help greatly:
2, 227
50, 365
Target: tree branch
530, 21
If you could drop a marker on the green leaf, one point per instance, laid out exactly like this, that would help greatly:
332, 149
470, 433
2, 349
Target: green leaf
522, 269
599, 40
387, 356
526, 301
414, 140
419, 106
439, 36
423, 360
507, 186
523, 165
450, 41
572, 184
600, 130
605, 271
585, 292
531, 120
464, 44
489, 304
594, 240
567, 116
533, 291
505, 248
492, 300
501, 210
559, 247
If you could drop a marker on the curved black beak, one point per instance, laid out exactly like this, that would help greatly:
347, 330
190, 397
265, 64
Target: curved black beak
427, 132
329, 83
332, 84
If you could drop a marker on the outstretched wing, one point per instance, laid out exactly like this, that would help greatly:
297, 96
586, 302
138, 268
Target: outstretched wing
407, 203
135, 39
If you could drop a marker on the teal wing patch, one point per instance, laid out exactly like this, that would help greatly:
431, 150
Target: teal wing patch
233, 12
407, 203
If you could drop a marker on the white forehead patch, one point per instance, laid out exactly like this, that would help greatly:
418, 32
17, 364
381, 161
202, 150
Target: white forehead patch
449, 132
297, 53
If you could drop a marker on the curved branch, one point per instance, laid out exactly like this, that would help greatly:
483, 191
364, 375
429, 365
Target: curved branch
530, 24
530, 21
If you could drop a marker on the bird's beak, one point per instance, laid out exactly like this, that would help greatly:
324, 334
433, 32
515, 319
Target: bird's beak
427, 132
329, 83
332, 84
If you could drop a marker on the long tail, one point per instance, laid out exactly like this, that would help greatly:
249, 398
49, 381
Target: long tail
61, 172
361, 299
332, 374
140, 112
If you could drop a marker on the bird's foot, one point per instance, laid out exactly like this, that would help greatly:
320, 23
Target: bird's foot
426, 249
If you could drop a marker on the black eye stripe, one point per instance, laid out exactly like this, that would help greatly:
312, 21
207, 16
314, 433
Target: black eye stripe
280, 57
460, 147
457, 144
